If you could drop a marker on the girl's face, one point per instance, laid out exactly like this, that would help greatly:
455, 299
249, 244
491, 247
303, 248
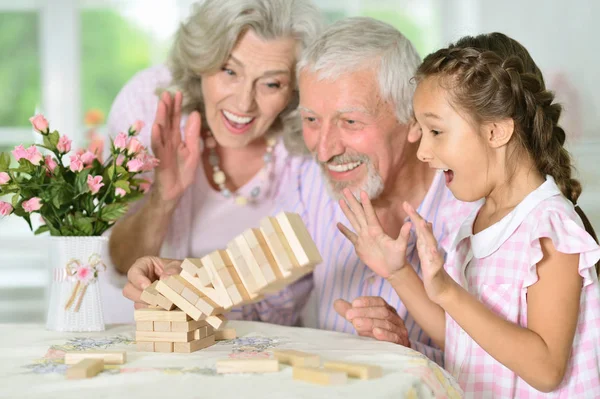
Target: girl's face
243, 99
451, 143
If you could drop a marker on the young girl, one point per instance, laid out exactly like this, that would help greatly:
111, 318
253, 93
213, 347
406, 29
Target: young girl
516, 303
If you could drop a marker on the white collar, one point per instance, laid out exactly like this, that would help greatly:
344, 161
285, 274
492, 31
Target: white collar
488, 241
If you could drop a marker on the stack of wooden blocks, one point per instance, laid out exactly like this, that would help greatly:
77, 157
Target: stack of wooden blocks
186, 309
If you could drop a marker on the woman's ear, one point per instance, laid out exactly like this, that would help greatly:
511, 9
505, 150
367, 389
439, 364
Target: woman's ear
499, 133
414, 131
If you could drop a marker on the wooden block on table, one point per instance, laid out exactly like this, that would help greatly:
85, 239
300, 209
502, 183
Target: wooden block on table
178, 300
144, 326
158, 336
149, 314
298, 238
274, 239
216, 321
85, 368
185, 326
225, 334
254, 237
297, 358
356, 370
144, 346
243, 270
193, 346
247, 366
319, 376
164, 347
109, 357
163, 326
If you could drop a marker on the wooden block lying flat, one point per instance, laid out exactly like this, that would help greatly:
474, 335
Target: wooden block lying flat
185, 326
299, 240
164, 347
164, 326
144, 326
356, 370
149, 314
193, 346
114, 357
225, 334
297, 358
178, 300
319, 376
86, 368
216, 321
247, 366
144, 346
164, 336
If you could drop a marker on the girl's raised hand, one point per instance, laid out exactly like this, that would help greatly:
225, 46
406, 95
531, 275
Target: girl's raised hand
435, 278
383, 254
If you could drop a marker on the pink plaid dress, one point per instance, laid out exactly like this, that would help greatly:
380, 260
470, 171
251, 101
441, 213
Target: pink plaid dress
501, 264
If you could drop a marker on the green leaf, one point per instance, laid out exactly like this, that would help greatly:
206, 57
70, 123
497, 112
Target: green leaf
4, 161
42, 229
84, 226
81, 182
124, 184
110, 172
51, 140
25, 167
15, 200
113, 212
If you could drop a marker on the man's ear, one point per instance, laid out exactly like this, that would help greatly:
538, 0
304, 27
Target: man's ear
414, 131
499, 133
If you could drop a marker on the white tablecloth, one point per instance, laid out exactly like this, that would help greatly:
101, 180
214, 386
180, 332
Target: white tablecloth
31, 366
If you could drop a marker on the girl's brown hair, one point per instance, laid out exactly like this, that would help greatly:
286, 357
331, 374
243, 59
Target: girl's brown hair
493, 77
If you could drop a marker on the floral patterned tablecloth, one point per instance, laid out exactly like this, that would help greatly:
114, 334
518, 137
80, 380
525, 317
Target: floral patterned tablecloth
31, 366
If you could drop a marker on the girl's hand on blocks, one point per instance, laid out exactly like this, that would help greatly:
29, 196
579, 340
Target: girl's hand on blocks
179, 158
435, 278
383, 254
144, 272
373, 317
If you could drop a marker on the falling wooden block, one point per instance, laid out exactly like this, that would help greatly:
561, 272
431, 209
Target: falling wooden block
174, 282
164, 347
254, 238
297, 358
148, 314
163, 326
149, 294
242, 269
111, 357
157, 336
213, 262
273, 237
247, 366
144, 326
252, 265
144, 346
208, 291
190, 295
216, 321
356, 370
225, 334
319, 376
193, 346
298, 238
185, 326
195, 268
178, 300
85, 368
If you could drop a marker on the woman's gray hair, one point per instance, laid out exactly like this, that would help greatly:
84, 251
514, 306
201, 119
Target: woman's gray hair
357, 43
205, 41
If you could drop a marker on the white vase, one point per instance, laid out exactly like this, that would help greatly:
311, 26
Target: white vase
73, 305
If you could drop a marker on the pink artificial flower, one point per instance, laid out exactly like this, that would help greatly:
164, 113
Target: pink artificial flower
85, 274
88, 157
4, 178
145, 186
64, 145
39, 123
32, 204
120, 142
120, 159
119, 192
134, 146
137, 127
34, 155
148, 161
5, 208
96, 145
94, 183
19, 152
135, 165
76, 164
50, 163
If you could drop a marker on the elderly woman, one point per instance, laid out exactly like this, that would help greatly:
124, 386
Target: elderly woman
223, 138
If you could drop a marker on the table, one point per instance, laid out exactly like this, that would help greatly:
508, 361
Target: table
31, 366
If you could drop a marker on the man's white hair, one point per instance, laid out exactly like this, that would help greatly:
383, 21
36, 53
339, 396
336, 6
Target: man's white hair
358, 43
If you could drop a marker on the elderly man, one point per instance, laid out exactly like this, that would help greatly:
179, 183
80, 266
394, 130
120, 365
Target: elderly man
355, 101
